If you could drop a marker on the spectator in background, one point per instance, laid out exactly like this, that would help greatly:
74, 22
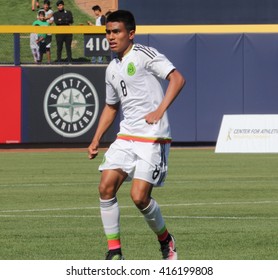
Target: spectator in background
41, 40
48, 11
35, 3
63, 18
35, 47
49, 18
100, 20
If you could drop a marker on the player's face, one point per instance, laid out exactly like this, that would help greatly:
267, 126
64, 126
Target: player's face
120, 40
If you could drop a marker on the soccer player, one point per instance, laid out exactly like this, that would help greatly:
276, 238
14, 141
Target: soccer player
141, 149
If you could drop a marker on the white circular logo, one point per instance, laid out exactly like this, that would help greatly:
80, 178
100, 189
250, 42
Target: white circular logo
71, 105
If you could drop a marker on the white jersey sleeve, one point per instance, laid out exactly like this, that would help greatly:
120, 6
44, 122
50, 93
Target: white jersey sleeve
154, 61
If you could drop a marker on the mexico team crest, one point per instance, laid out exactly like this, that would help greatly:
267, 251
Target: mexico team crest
71, 105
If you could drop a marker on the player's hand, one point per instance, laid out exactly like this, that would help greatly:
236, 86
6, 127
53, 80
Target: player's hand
153, 117
93, 150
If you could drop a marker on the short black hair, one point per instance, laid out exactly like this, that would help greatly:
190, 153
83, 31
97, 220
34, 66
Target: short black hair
96, 8
41, 12
123, 16
60, 2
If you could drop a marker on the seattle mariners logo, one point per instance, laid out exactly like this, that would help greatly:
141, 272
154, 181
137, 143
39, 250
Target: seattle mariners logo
71, 105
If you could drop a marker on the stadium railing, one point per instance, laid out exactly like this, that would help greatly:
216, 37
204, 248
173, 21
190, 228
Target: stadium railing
15, 39
15, 42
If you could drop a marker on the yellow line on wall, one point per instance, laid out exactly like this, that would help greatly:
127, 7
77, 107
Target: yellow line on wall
52, 29
187, 29
146, 29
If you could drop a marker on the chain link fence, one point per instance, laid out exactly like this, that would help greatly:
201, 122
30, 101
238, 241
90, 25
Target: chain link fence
7, 48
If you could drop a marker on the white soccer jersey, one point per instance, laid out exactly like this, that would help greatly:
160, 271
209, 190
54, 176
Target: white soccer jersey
135, 82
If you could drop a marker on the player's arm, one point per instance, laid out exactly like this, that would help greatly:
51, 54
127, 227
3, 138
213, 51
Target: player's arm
176, 83
107, 117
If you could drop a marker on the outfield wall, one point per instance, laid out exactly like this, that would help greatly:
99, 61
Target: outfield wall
233, 73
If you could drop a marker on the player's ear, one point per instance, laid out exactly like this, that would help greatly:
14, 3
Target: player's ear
131, 34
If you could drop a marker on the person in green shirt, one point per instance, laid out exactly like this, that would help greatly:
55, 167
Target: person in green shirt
41, 41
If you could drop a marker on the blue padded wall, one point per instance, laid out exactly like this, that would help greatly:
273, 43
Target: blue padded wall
219, 81
261, 74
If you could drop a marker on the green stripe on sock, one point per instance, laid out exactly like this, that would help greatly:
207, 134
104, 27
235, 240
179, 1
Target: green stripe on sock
113, 236
161, 231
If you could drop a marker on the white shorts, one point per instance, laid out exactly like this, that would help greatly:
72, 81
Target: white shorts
145, 161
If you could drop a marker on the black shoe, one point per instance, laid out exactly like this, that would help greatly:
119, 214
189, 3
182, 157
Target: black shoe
168, 249
114, 256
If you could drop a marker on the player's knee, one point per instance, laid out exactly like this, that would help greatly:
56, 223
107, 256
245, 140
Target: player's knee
106, 191
141, 202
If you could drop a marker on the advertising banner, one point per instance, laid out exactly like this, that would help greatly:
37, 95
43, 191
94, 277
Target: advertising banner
248, 134
62, 104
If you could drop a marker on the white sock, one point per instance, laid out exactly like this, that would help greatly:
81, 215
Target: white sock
153, 216
110, 216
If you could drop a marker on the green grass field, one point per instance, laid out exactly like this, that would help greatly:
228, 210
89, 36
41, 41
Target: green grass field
218, 206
